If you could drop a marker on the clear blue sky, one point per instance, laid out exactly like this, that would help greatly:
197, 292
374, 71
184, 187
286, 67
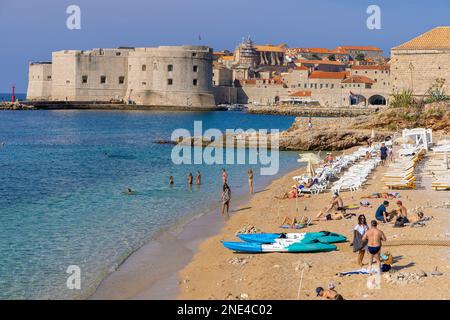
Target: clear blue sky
31, 30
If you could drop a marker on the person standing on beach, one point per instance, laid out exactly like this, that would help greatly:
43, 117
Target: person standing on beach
224, 177
383, 154
198, 178
190, 179
250, 180
226, 197
374, 237
309, 123
359, 232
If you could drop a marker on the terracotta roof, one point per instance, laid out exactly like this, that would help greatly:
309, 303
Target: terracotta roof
358, 48
301, 94
371, 67
328, 75
335, 63
249, 81
437, 38
227, 58
359, 79
269, 47
218, 53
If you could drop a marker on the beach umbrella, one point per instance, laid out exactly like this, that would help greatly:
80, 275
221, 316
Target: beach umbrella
309, 157
310, 169
446, 159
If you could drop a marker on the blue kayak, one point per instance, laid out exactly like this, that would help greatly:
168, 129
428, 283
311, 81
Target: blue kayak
266, 238
280, 246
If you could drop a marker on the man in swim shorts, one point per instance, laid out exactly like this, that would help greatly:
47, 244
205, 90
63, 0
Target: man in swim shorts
374, 237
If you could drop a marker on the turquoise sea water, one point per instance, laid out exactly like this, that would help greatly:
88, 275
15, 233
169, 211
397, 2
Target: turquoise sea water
62, 174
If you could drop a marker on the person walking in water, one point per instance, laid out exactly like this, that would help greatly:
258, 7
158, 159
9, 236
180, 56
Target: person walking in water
224, 177
374, 237
226, 197
250, 180
309, 123
198, 178
171, 181
190, 179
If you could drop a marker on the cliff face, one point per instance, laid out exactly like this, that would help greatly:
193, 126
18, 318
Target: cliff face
325, 140
327, 134
434, 115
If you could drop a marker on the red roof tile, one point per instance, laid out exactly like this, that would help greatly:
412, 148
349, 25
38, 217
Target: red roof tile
301, 94
359, 79
328, 75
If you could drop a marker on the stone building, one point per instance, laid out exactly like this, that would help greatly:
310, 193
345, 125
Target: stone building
162, 76
416, 64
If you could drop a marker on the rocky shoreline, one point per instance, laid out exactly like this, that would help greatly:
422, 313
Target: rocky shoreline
331, 134
311, 111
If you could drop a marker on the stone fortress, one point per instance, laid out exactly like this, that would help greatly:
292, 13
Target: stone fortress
163, 76
195, 76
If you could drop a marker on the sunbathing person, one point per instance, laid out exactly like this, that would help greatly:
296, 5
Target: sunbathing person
328, 294
336, 203
292, 194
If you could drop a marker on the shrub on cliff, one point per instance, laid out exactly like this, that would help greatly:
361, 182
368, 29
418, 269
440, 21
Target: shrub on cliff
402, 99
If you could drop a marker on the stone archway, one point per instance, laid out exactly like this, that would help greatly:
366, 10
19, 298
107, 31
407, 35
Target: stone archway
357, 99
377, 100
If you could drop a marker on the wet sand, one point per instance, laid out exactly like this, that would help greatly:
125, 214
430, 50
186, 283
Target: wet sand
212, 275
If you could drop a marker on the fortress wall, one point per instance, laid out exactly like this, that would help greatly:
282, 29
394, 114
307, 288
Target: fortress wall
418, 69
78, 75
169, 75
225, 95
40, 81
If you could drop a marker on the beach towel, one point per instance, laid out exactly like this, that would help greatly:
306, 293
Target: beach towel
358, 243
384, 268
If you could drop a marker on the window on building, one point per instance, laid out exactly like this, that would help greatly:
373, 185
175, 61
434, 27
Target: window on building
129, 67
170, 82
194, 54
195, 69
84, 79
144, 67
170, 67
67, 81
194, 82
121, 80
49, 77
321, 85
214, 83
103, 79
144, 83
117, 53
332, 85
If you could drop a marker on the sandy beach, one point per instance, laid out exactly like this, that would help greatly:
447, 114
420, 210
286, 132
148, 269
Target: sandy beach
215, 273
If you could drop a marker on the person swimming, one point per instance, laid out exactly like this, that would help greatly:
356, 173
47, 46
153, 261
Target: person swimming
128, 192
